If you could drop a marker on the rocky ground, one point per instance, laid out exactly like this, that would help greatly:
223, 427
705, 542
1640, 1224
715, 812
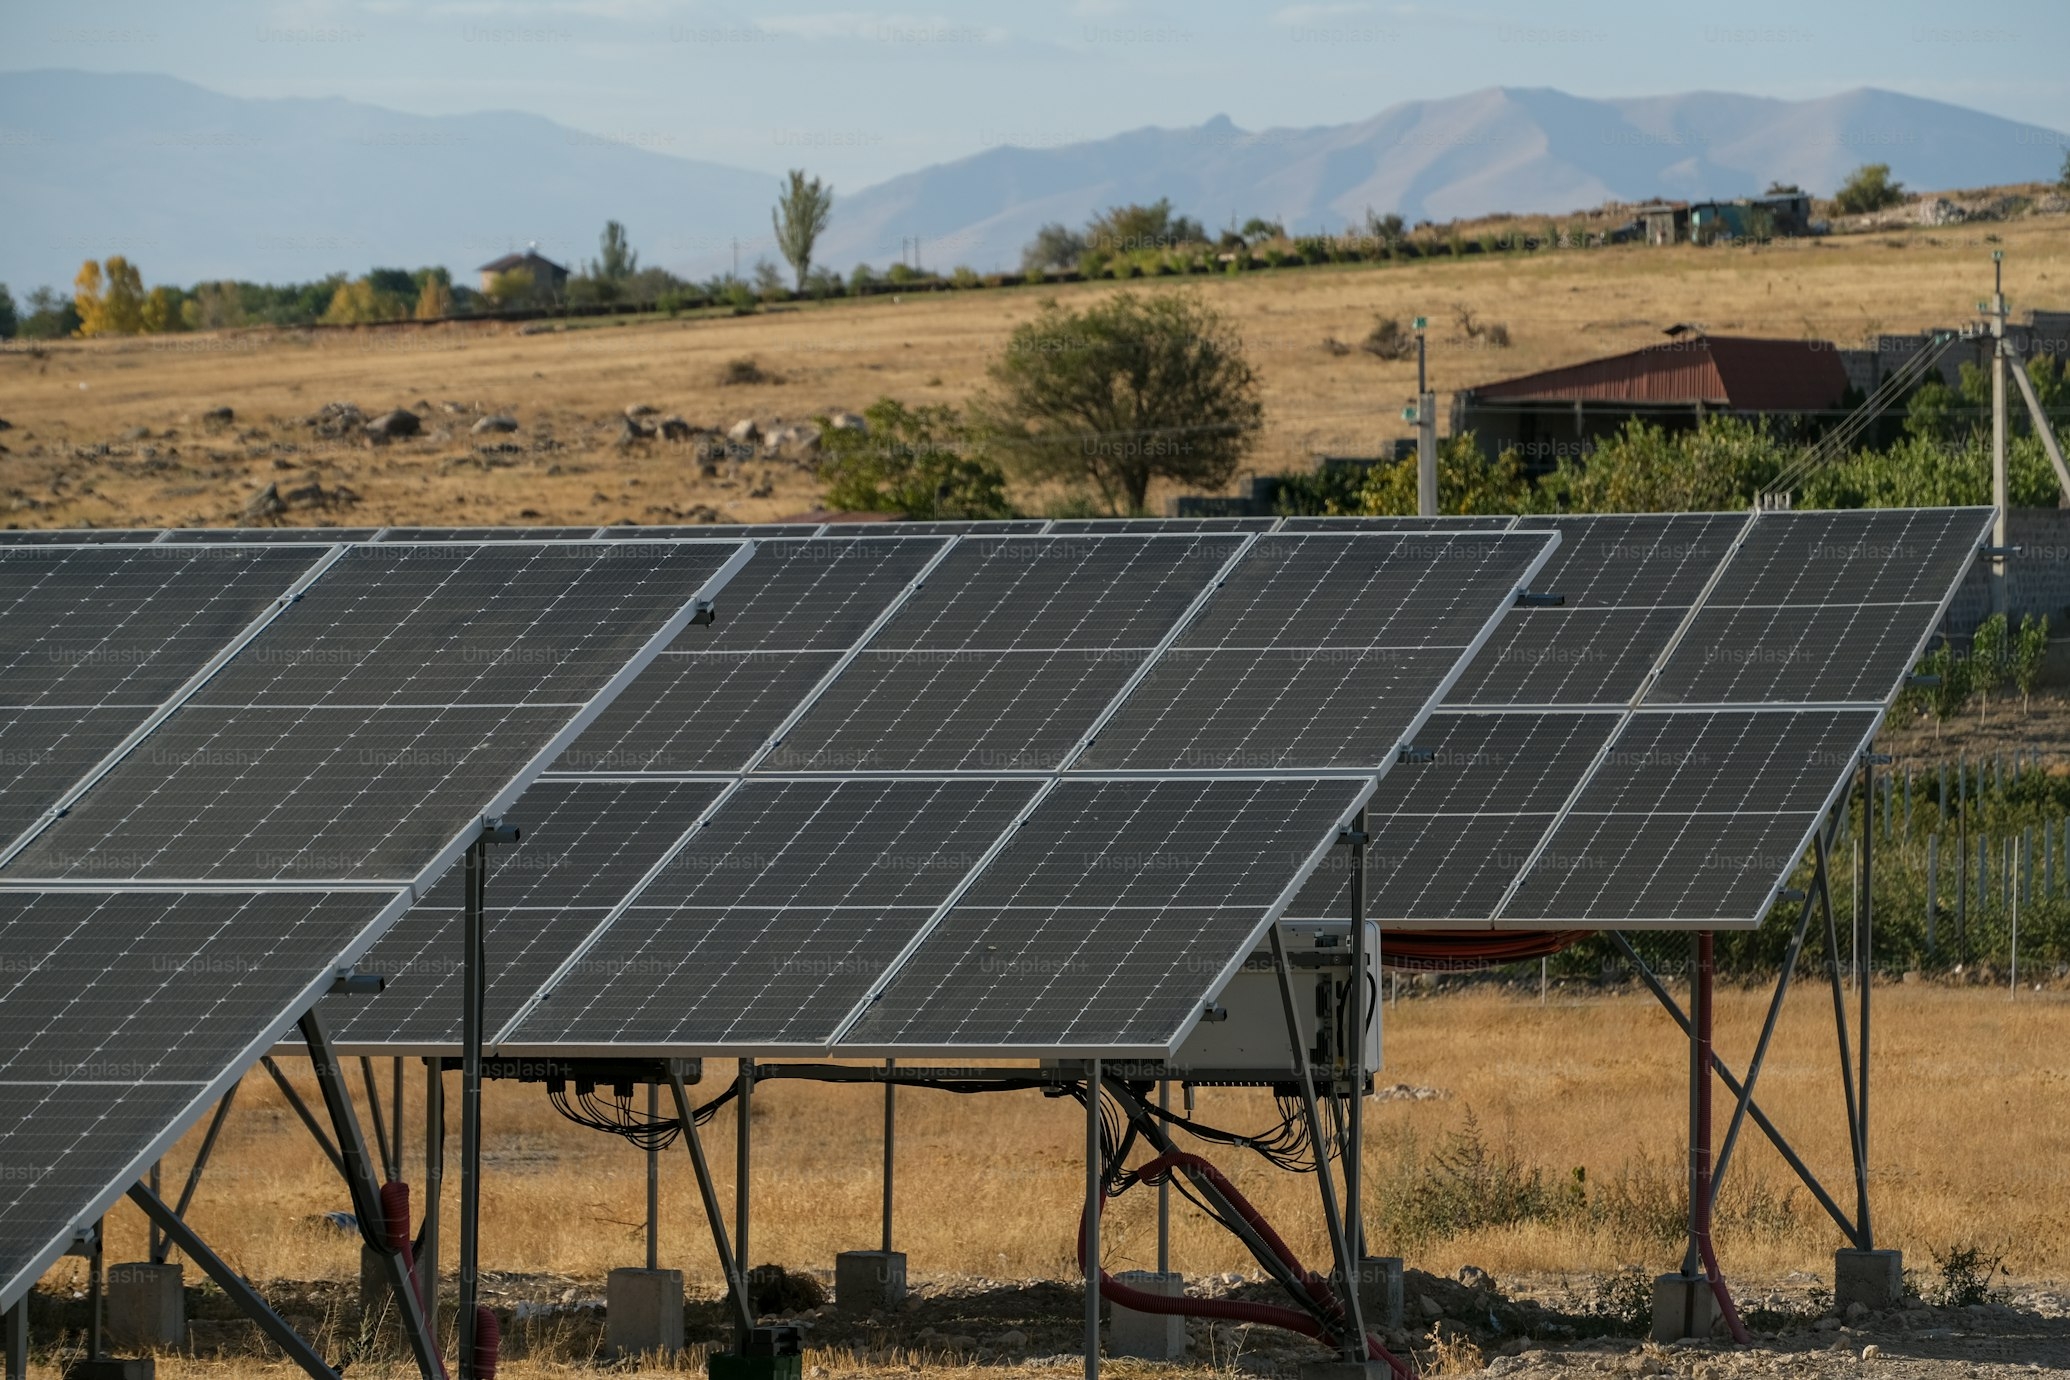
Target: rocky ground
1467, 1325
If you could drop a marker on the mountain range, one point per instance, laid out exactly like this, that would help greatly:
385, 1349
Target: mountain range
193, 184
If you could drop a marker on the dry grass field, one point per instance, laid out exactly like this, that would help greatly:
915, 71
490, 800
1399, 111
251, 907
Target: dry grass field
1971, 1145
67, 399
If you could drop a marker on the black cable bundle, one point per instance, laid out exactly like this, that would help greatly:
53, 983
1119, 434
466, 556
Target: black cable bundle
619, 1117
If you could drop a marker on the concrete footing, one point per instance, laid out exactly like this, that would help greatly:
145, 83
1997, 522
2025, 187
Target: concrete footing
643, 1312
1380, 1292
112, 1368
868, 1281
147, 1306
374, 1293
1874, 1279
1346, 1370
1683, 1306
1148, 1336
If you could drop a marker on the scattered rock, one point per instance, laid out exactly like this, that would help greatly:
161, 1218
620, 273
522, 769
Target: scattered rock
1011, 1341
631, 431
391, 425
774, 1289
1428, 1306
676, 429
1871, 1352
6, 425
218, 416
537, 328
137, 433
334, 421
495, 421
641, 410
266, 503
1474, 1277
744, 432
848, 421
1857, 1310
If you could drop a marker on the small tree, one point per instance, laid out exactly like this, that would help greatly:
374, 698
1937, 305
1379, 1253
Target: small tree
52, 315
110, 304
801, 213
1468, 482
1257, 230
1126, 229
2063, 175
923, 462
1948, 690
1139, 387
1055, 245
1868, 188
434, 300
2030, 655
616, 259
1990, 658
9, 320
160, 312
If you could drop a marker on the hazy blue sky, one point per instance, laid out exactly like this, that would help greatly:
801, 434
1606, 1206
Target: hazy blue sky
862, 91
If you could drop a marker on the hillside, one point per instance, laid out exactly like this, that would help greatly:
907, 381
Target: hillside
192, 184
73, 453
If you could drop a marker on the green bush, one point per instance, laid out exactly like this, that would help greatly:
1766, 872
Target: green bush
922, 462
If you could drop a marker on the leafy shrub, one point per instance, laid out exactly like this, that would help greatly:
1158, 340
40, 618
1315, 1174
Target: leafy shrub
1388, 340
923, 462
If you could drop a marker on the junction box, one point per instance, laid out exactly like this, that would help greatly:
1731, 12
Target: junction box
1243, 1037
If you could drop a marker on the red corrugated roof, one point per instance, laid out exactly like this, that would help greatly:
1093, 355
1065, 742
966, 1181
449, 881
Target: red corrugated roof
1735, 372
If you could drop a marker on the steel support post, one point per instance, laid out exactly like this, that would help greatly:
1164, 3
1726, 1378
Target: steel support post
653, 1182
97, 1293
1095, 1186
1865, 977
1854, 1123
232, 1284
890, 1142
366, 1194
474, 984
434, 1186
1164, 1193
1355, 1057
736, 1283
743, 1164
395, 1146
154, 1241
1353, 1344
380, 1122
18, 1339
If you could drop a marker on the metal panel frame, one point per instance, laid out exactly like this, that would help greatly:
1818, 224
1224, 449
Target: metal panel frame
400, 901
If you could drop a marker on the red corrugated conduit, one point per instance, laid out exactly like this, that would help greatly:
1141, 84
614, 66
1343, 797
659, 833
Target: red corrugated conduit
1237, 1310
395, 1224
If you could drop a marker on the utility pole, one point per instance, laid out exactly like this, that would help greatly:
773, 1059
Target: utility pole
1424, 414
2001, 529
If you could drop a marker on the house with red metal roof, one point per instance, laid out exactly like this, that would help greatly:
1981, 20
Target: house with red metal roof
1675, 384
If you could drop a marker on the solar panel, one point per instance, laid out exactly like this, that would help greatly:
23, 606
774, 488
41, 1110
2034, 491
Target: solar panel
1692, 818
1319, 651
187, 536
78, 536
713, 700
1627, 583
1107, 919
119, 1014
771, 923
978, 527
95, 639
1450, 834
762, 531
586, 845
202, 978
1465, 523
481, 534
355, 734
1084, 526
1823, 607
1007, 656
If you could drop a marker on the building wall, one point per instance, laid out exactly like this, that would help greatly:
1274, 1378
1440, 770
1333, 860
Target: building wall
2038, 579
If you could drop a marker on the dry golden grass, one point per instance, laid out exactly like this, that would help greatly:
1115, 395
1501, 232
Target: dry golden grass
1559, 306
1971, 1114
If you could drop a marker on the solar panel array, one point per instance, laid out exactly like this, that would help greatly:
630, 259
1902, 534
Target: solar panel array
1654, 751
892, 722
193, 727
